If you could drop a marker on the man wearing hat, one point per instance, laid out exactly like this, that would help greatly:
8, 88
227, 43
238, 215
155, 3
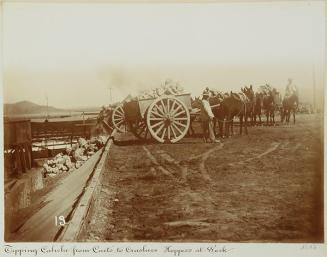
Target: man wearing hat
291, 89
207, 118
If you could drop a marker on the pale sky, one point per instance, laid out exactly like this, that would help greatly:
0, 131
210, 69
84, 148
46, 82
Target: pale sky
75, 52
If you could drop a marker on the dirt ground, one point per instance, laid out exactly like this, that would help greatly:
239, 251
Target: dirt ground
264, 187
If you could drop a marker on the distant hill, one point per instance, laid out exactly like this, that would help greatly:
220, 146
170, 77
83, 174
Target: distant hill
26, 107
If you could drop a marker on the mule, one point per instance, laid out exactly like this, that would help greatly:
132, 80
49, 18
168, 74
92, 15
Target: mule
269, 105
218, 111
237, 105
290, 104
250, 103
195, 104
257, 108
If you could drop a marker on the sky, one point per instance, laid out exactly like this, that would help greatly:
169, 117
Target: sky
73, 53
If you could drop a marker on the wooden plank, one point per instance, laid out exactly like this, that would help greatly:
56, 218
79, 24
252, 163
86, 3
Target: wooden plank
17, 163
22, 158
41, 226
80, 215
28, 156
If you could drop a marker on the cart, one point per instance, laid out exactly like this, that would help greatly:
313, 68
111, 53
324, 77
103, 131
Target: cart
166, 118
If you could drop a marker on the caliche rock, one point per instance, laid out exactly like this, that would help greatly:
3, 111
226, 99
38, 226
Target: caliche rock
82, 142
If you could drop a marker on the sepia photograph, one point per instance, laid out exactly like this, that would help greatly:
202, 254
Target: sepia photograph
153, 122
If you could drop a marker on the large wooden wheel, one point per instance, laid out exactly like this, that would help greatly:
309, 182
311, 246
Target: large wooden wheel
168, 119
118, 119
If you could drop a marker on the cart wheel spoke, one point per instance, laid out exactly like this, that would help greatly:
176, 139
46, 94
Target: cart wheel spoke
177, 114
159, 109
118, 119
174, 125
155, 119
157, 124
177, 109
163, 106
174, 133
119, 123
118, 115
179, 119
119, 112
172, 108
156, 113
163, 133
168, 108
159, 129
180, 124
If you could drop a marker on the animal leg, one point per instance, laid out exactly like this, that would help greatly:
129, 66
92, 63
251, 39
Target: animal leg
267, 115
190, 131
204, 132
294, 116
273, 118
246, 124
227, 128
220, 126
214, 126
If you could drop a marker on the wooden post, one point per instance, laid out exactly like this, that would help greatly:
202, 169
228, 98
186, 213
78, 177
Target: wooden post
84, 132
72, 136
27, 156
24, 194
30, 153
36, 180
18, 165
8, 217
46, 139
22, 158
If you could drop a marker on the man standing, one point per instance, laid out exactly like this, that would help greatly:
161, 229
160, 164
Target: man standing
207, 119
290, 89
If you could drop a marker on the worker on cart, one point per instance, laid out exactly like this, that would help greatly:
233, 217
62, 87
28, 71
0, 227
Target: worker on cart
207, 119
291, 89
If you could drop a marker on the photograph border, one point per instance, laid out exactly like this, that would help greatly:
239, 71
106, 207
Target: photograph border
231, 249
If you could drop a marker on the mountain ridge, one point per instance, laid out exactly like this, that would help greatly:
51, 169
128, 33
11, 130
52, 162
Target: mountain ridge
28, 107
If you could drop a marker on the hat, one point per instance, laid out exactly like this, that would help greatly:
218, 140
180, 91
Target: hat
205, 94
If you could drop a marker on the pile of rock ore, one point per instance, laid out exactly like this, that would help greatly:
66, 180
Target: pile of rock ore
168, 88
74, 156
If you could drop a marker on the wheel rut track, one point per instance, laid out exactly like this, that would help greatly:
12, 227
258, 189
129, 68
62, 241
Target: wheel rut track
186, 191
188, 166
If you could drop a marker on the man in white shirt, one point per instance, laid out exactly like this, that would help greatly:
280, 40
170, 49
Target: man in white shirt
207, 119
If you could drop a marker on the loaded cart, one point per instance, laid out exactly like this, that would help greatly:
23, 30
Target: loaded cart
166, 118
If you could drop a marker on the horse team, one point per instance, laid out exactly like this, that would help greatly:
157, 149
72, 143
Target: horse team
248, 106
